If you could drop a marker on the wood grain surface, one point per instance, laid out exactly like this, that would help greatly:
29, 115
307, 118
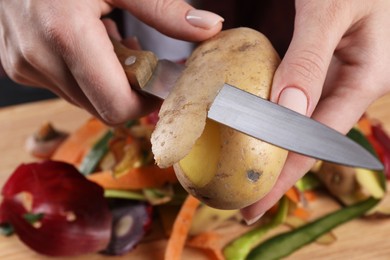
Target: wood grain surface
359, 239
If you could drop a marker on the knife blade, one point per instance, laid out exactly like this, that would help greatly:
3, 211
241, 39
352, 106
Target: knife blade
294, 132
250, 114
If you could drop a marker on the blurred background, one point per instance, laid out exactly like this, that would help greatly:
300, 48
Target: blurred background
12, 93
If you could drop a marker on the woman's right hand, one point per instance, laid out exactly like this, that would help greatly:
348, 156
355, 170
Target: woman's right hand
64, 46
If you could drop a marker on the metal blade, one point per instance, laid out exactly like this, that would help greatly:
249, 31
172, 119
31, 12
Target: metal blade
163, 79
285, 128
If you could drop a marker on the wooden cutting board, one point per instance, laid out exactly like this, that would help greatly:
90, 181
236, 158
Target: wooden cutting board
359, 239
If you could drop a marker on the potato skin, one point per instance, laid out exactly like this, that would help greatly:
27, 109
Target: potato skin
246, 168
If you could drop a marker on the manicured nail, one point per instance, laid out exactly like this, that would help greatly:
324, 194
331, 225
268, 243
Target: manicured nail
294, 99
203, 19
253, 220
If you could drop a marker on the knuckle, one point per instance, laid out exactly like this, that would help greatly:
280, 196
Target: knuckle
112, 116
309, 65
57, 33
162, 7
58, 37
14, 75
28, 55
14, 67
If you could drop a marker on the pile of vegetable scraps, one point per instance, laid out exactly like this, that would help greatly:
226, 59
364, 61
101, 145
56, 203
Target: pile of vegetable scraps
99, 191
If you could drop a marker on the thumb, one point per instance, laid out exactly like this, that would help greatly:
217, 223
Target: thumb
174, 18
299, 79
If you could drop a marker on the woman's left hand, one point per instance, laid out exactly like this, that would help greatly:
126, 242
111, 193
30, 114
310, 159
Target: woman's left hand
335, 67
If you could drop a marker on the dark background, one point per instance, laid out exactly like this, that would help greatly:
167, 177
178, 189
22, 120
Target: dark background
12, 93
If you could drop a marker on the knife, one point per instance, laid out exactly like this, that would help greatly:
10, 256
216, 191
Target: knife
250, 114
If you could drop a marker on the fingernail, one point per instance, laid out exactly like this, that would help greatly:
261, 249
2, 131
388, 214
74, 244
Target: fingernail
203, 19
294, 99
253, 220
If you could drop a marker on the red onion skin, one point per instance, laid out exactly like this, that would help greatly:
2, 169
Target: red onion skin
76, 217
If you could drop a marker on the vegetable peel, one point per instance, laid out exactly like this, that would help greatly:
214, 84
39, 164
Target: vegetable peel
75, 216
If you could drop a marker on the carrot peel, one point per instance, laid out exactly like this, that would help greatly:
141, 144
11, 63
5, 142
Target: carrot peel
181, 228
136, 179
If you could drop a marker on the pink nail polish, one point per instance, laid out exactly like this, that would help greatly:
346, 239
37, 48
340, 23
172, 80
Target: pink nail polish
294, 99
203, 19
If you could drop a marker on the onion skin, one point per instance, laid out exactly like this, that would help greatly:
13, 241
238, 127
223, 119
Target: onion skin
76, 218
131, 222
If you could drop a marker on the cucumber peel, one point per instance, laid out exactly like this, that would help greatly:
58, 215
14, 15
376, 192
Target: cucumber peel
241, 247
98, 150
286, 243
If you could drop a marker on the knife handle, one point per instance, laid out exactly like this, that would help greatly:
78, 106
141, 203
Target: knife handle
138, 65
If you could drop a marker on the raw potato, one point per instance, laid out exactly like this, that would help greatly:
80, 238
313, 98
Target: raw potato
223, 168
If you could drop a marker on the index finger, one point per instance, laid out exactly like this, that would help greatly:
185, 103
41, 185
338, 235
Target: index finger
97, 70
174, 18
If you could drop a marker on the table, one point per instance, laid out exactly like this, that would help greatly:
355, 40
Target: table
359, 239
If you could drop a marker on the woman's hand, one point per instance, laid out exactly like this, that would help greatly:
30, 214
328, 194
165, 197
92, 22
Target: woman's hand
64, 46
337, 64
